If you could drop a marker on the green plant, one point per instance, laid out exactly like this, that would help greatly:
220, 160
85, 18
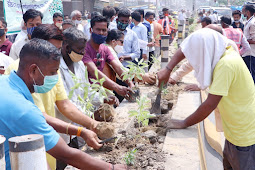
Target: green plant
142, 114
165, 91
135, 70
155, 60
85, 101
129, 157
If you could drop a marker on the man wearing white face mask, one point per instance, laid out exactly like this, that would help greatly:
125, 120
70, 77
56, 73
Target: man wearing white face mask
237, 20
76, 18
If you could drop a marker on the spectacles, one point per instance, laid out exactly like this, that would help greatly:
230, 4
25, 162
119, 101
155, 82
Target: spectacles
121, 41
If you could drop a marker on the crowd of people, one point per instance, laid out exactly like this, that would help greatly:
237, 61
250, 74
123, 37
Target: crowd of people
43, 58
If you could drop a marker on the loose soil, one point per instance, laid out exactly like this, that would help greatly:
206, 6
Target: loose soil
105, 130
149, 155
105, 113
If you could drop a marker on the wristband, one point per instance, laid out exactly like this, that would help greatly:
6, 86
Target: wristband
67, 128
79, 131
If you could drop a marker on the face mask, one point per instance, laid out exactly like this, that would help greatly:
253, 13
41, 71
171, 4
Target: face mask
30, 30
149, 21
77, 22
59, 25
88, 20
97, 38
2, 32
118, 48
237, 21
49, 83
75, 57
122, 26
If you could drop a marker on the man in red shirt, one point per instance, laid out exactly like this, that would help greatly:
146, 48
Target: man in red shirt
5, 44
97, 56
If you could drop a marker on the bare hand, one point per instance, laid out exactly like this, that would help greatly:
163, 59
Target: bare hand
112, 100
151, 44
120, 167
123, 91
91, 138
144, 56
171, 81
176, 124
149, 78
122, 58
163, 76
131, 85
192, 87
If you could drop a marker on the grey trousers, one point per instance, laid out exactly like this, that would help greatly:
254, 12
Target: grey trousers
238, 158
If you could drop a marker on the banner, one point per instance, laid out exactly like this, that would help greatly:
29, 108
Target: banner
13, 12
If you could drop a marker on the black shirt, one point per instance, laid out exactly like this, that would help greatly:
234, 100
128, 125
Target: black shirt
241, 25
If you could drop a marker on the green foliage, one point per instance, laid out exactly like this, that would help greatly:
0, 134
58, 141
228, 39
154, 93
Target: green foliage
96, 87
142, 114
129, 157
135, 70
155, 60
165, 91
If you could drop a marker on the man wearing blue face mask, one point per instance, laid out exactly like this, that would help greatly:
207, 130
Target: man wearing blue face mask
131, 48
97, 56
32, 18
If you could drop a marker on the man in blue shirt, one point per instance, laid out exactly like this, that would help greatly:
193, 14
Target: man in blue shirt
39, 63
131, 49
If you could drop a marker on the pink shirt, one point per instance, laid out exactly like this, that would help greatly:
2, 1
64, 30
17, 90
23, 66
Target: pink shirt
6, 47
91, 55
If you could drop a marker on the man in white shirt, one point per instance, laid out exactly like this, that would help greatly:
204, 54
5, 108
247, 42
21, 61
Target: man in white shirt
181, 17
249, 32
141, 32
131, 49
109, 12
76, 18
5, 61
32, 18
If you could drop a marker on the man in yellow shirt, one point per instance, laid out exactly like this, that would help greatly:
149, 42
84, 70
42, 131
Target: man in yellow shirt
231, 90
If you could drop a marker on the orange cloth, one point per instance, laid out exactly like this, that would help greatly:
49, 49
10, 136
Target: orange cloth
158, 29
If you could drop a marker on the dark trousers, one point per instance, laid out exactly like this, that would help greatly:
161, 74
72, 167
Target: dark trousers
250, 63
74, 144
120, 82
151, 55
238, 158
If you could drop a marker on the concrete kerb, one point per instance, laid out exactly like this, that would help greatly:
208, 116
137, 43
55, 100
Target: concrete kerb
181, 145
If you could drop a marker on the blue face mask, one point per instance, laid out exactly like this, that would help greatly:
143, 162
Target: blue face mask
30, 30
88, 20
98, 39
121, 25
49, 83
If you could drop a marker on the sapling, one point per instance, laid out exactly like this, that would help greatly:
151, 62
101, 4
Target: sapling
142, 114
129, 157
135, 70
96, 87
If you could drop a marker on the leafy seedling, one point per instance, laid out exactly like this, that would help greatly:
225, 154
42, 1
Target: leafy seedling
129, 157
135, 70
142, 114
89, 91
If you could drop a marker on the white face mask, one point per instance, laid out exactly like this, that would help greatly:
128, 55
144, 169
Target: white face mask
59, 25
77, 22
118, 48
237, 21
